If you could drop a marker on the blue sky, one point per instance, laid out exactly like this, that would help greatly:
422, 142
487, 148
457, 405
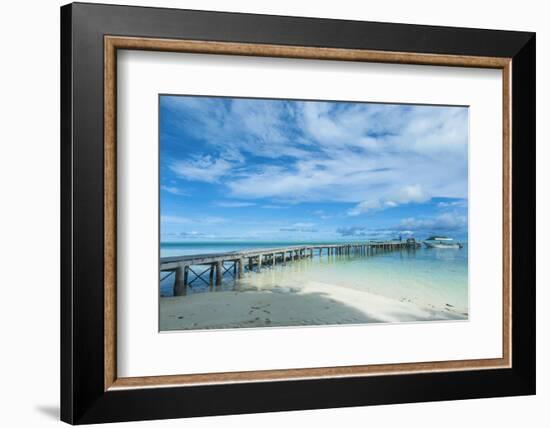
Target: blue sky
268, 170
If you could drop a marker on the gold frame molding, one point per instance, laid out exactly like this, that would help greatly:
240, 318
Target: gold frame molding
113, 43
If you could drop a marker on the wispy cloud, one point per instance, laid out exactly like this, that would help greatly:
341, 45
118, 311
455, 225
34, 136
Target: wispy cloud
273, 207
354, 231
403, 195
212, 220
369, 233
192, 234
443, 222
235, 204
174, 190
463, 203
300, 227
303, 224
202, 168
322, 214
174, 219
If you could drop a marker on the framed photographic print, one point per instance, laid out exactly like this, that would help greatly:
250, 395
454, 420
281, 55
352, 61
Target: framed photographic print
266, 213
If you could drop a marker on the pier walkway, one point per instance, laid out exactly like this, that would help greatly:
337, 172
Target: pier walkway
236, 262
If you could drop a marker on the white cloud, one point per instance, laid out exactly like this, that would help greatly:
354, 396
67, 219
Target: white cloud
453, 204
322, 214
365, 206
403, 195
303, 224
204, 168
235, 204
410, 193
445, 221
192, 234
174, 190
211, 220
300, 227
365, 232
174, 219
273, 207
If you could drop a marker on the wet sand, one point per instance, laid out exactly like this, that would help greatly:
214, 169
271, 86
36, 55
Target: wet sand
315, 303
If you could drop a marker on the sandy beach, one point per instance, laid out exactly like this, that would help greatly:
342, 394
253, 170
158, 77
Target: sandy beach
316, 303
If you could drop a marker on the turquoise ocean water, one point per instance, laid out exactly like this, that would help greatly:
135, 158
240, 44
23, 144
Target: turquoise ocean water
428, 277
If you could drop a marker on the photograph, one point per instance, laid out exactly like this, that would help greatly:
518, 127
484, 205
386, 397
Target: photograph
285, 213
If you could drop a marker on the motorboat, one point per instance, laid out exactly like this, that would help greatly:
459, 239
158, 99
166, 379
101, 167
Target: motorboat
442, 242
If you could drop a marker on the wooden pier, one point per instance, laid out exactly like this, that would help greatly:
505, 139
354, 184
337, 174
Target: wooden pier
210, 268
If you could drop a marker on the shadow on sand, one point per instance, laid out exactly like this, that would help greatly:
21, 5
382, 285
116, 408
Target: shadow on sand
258, 309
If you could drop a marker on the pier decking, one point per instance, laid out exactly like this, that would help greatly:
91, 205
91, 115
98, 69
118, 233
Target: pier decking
215, 265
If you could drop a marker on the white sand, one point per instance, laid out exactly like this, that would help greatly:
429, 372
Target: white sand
315, 303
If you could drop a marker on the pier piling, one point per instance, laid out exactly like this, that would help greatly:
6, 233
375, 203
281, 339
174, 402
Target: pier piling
211, 277
219, 273
180, 283
241, 267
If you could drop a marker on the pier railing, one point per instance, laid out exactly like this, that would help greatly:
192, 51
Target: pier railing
255, 259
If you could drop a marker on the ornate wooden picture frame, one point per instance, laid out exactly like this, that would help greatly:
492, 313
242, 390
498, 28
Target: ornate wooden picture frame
91, 390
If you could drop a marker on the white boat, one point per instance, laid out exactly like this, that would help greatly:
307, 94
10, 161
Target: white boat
442, 242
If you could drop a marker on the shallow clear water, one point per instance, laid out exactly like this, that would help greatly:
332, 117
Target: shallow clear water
427, 277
